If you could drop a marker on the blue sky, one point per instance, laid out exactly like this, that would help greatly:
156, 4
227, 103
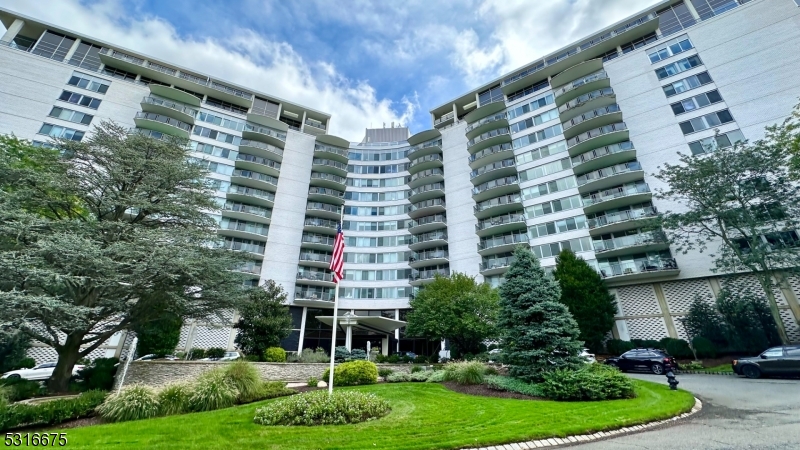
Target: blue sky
366, 63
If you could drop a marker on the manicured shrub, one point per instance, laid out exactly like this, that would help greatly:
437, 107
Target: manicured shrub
134, 402
393, 359
212, 390
677, 348
420, 359
704, 347
468, 372
416, 369
436, 377
593, 382
17, 389
353, 373
99, 374
398, 377
509, 384
50, 413
357, 354
246, 379
381, 358
383, 373
174, 398
215, 352
275, 354
312, 382
617, 347
252, 358
197, 353
320, 408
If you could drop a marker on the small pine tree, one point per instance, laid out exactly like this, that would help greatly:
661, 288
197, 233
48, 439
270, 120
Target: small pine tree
586, 296
264, 319
539, 333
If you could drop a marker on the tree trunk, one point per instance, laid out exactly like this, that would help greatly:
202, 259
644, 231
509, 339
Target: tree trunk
68, 355
766, 284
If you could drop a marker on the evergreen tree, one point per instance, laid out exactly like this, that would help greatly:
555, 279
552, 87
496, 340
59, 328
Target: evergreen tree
539, 333
264, 319
159, 336
586, 296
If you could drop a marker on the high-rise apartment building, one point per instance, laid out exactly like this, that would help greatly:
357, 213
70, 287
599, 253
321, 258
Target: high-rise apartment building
558, 154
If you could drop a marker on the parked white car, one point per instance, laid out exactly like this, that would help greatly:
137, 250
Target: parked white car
229, 356
38, 373
151, 357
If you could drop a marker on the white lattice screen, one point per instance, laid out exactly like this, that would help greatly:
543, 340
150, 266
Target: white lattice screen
792, 329
680, 294
639, 300
647, 328
679, 327
42, 354
208, 336
744, 283
184, 336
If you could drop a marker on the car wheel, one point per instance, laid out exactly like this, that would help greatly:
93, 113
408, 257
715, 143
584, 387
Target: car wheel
751, 371
13, 376
657, 369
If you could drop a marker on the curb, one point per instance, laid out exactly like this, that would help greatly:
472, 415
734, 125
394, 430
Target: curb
703, 372
582, 438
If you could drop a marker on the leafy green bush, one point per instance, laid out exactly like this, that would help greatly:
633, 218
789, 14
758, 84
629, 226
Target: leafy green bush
677, 348
420, 359
416, 369
436, 377
50, 413
17, 389
353, 373
617, 347
213, 390
99, 374
320, 408
398, 377
468, 372
245, 378
252, 358
215, 352
704, 347
312, 382
275, 354
25, 363
357, 354
174, 398
393, 359
593, 382
134, 402
381, 358
433, 359
509, 384
274, 389
383, 373
197, 353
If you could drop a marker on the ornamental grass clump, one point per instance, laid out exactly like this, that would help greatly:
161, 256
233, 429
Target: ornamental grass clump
174, 398
134, 402
320, 408
466, 372
213, 390
245, 377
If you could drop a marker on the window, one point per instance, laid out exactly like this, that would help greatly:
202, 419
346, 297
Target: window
712, 143
42, 144
678, 67
86, 56
639, 43
531, 106
196, 94
88, 82
545, 169
541, 152
707, 9
400, 292
376, 155
793, 351
376, 211
371, 182
562, 204
389, 225
216, 135
377, 275
212, 166
391, 168
23, 43
79, 99
668, 49
53, 46
559, 226
776, 352
61, 132
232, 124
535, 120
217, 185
213, 150
561, 184
225, 105
148, 81
386, 241
265, 107
537, 136
696, 102
491, 95
376, 196
376, 258
687, 84
705, 122
553, 249
528, 90
70, 115
119, 73
674, 19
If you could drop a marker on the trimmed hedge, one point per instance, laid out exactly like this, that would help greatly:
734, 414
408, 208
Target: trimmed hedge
320, 408
353, 373
593, 382
50, 413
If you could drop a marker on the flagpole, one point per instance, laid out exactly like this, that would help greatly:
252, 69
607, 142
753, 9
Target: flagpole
335, 316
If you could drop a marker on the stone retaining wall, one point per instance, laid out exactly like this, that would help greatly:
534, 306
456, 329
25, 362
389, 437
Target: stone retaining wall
157, 373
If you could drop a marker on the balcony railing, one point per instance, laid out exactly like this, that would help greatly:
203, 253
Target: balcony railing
263, 130
316, 206
585, 98
429, 274
504, 200
329, 177
425, 159
428, 187
250, 268
499, 220
326, 191
613, 193
256, 176
497, 263
428, 203
231, 90
261, 145
253, 192
590, 115
490, 151
495, 183
194, 79
427, 173
315, 276
122, 56
437, 218
429, 255
650, 237
244, 246
317, 222
497, 241
249, 209
614, 127
444, 118
602, 151
247, 227
622, 216
314, 295
600, 75
485, 120
317, 239
258, 160
488, 135
426, 237
330, 149
164, 119
329, 163
315, 257
608, 172
493, 166
434, 143
171, 105
163, 69
315, 124
608, 270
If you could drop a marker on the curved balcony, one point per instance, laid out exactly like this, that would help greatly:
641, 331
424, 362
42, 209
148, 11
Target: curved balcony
258, 164
420, 277
431, 257
630, 271
488, 139
250, 268
255, 180
314, 298
501, 224
490, 155
258, 133
425, 163
250, 195
424, 149
578, 71
496, 265
261, 149
427, 223
599, 137
495, 188
610, 176
246, 212
486, 124
427, 207
174, 94
324, 210
426, 177
593, 119
329, 166
592, 82
428, 240
245, 230
603, 157
587, 102
651, 241
169, 108
502, 243
317, 242
497, 206
326, 195
253, 249
494, 170
315, 278
486, 110
444, 120
163, 124
331, 152
620, 220
314, 259
328, 180
426, 192
318, 225
616, 197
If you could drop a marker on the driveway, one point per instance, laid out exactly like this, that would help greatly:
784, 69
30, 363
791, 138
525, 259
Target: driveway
737, 413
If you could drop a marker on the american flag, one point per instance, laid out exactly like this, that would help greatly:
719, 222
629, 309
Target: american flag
337, 260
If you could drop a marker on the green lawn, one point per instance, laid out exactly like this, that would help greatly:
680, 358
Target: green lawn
424, 416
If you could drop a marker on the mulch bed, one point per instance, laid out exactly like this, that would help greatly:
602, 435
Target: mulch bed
482, 390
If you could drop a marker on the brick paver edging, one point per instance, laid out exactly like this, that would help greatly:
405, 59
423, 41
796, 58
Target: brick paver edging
703, 372
555, 442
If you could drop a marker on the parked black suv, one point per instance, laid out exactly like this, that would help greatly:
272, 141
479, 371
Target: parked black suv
651, 359
774, 361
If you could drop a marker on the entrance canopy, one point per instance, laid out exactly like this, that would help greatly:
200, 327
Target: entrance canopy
372, 323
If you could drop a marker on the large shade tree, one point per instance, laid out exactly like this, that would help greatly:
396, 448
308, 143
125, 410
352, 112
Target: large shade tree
109, 234
264, 319
740, 203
